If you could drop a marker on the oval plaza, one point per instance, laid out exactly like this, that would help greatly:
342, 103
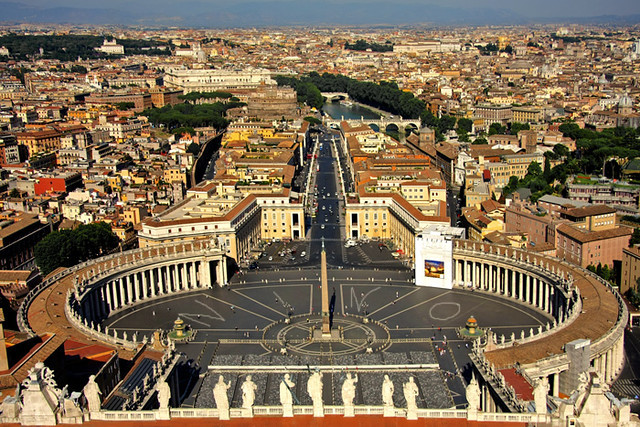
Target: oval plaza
520, 373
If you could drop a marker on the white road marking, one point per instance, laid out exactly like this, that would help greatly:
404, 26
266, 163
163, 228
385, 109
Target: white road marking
444, 318
359, 303
210, 309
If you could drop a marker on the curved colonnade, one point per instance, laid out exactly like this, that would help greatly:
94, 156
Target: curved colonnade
579, 304
106, 285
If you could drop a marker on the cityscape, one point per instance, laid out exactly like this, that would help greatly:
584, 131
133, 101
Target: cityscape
271, 219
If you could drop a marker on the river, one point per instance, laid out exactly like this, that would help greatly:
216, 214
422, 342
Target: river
337, 111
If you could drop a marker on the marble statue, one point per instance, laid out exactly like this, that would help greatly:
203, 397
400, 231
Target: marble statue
472, 392
164, 394
248, 392
314, 388
540, 393
349, 389
286, 396
92, 394
220, 393
410, 390
348, 394
221, 398
387, 391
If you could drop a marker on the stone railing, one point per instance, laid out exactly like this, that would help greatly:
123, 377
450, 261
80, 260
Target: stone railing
540, 332
276, 411
96, 332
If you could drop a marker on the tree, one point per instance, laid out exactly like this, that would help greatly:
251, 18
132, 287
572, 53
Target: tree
446, 123
428, 119
481, 140
547, 170
497, 129
313, 120
511, 186
635, 237
124, 106
79, 69
66, 248
193, 148
465, 124
534, 170
517, 127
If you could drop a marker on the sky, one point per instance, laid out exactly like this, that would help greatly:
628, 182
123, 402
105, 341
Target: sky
528, 8
340, 12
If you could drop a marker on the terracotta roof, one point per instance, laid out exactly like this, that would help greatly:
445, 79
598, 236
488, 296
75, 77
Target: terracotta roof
584, 236
590, 211
14, 275
523, 389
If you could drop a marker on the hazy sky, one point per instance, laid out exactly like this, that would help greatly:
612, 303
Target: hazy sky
528, 8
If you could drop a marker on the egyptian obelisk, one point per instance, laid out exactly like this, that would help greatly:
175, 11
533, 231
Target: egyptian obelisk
326, 326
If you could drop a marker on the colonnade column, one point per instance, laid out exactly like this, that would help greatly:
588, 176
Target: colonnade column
107, 295
145, 283
192, 271
521, 286
136, 287
129, 281
541, 285
153, 274
174, 278
185, 283
122, 300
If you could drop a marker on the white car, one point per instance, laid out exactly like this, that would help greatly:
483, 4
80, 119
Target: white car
270, 258
303, 254
322, 226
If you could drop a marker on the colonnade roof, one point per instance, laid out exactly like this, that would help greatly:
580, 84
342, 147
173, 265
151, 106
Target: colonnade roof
599, 314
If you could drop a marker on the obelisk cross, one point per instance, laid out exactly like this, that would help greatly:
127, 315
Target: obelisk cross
326, 326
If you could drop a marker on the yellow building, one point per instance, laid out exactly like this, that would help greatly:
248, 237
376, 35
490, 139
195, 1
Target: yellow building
174, 174
44, 141
390, 216
135, 214
526, 115
237, 221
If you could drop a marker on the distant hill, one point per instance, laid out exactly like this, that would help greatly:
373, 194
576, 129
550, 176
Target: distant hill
165, 13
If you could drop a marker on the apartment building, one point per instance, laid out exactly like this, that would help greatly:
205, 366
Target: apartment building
239, 222
630, 269
207, 80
